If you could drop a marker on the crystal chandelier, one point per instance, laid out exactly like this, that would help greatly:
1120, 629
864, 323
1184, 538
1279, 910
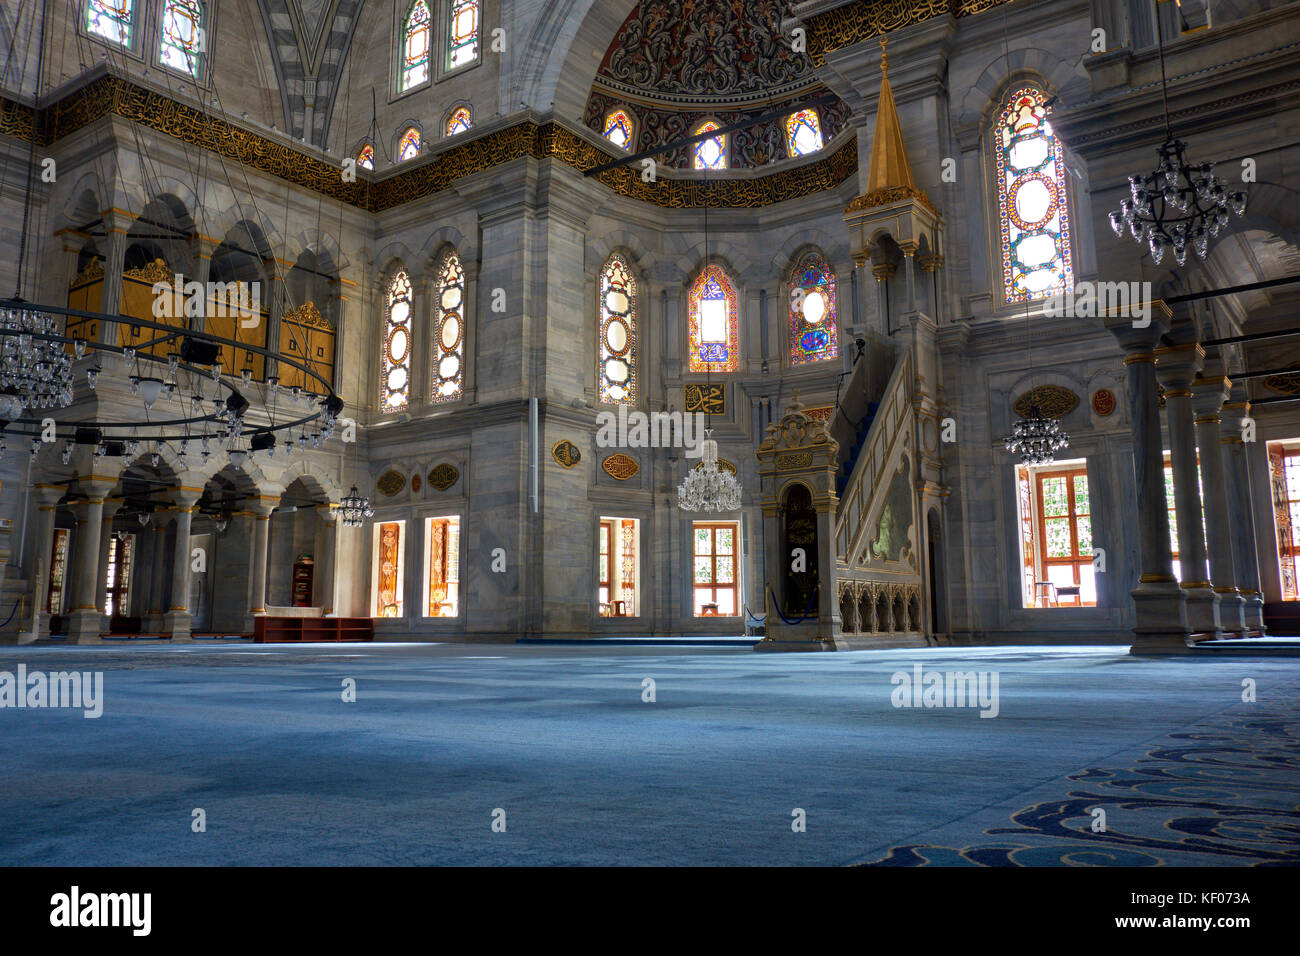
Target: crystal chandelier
1180, 205
1036, 439
355, 509
35, 368
705, 488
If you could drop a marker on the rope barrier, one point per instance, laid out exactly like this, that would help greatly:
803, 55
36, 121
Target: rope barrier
812, 602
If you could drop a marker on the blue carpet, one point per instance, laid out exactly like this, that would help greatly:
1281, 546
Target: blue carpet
588, 773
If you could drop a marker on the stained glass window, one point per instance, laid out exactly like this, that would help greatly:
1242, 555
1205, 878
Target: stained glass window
415, 46
366, 156
1033, 218
618, 129
710, 153
110, 19
182, 36
617, 353
814, 332
409, 145
803, 134
395, 369
462, 33
459, 121
714, 322
449, 346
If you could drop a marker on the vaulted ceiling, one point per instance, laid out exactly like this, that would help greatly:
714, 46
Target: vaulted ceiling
309, 44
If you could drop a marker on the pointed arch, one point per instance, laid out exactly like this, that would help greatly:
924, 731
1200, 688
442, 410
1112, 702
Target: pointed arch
803, 132
617, 315
814, 311
395, 347
620, 128
449, 297
713, 321
459, 120
408, 144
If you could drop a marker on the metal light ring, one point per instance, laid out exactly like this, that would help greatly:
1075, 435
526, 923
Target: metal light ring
180, 436
169, 330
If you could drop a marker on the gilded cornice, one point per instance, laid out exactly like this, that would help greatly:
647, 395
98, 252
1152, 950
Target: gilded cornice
307, 314
856, 22
887, 197
111, 95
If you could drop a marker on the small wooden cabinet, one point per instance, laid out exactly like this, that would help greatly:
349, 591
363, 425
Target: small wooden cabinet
297, 630
303, 571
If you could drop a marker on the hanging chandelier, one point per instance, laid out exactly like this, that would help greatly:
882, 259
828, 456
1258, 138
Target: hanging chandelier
1036, 439
705, 487
1179, 206
354, 509
34, 371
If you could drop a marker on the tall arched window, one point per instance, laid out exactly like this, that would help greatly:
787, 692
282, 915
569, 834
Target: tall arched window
408, 147
803, 133
449, 325
395, 367
366, 156
415, 46
714, 322
462, 33
617, 353
1033, 217
111, 19
710, 153
618, 129
459, 121
814, 331
182, 38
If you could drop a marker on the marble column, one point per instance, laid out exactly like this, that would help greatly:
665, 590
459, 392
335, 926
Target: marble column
1208, 395
153, 619
1241, 523
1176, 367
111, 507
883, 272
177, 620
1160, 605
47, 498
261, 508
85, 620
326, 538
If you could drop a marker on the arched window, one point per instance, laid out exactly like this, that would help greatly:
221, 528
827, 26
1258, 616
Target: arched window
462, 33
618, 129
449, 313
182, 36
415, 46
459, 121
111, 19
1033, 218
710, 153
408, 146
714, 321
814, 331
366, 156
617, 353
803, 133
395, 368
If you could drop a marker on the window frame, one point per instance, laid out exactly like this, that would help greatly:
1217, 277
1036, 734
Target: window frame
444, 69
1075, 560
401, 17
426, 523
992, 185
692, 348
403, 540
634, 313
632, 128
734, 586
789, 140
203, 76
400, 135
390, 276
436, 351
696, 130
830, 322
447, 117
135, 47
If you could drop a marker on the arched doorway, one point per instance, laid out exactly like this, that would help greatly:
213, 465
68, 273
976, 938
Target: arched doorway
799, 550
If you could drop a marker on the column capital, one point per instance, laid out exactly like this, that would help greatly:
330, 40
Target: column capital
184, 498
262, 505
1139, 342
1177, 366
111, 507
1208, 396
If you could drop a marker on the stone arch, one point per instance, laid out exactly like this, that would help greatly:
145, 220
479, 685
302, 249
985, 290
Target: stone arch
866, 599
621, 239
561, 54
1028, 64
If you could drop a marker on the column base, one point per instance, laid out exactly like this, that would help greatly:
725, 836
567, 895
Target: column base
1203, 613
1232, 613
1161, 619
177, 624
1253, 613
153, 623
250, 621
84, 626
